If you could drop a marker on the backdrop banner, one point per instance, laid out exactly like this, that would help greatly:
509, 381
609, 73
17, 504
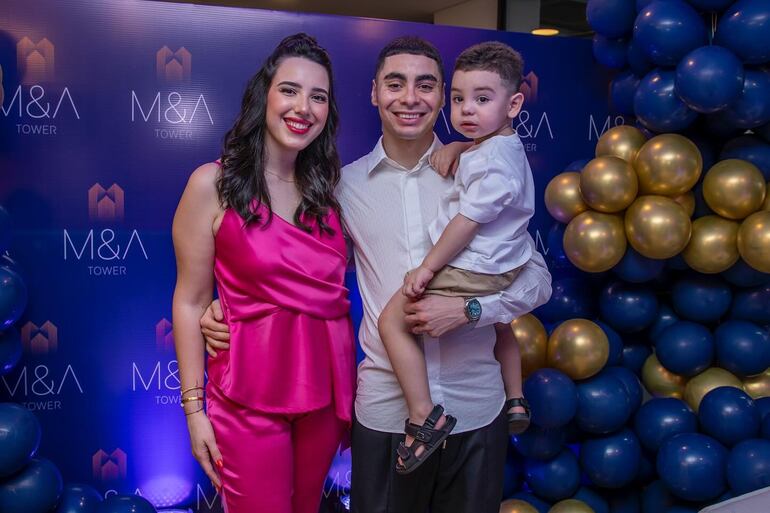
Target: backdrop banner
109, 106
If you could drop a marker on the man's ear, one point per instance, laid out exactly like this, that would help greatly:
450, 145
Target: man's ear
515, 104
374, 92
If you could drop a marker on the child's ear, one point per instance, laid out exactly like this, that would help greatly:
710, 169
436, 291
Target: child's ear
374, 93
515, 104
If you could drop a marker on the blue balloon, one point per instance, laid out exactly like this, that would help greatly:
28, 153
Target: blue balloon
539, 504
658, 107
603, 404
752, 305
665, 318
744, 28
616, 343
628, 308
626, 500
611, 461
552, 397
742, 347
707, 147
622, 91
748, 466
19, 438
751, 148
763, 406
752, 107
742, 274
636, 268
763, 131
729, 415
577, 165
709, 78
570, 298
711, 5
685, 348
539, 443
637, 60
553, 480
701, 298
634, 356
693, 466
667, 31
13, 297
5, 230
661, 418
10, 263
646, 472
35, 489
630, 382
611, 18
610, 52
765, 425
511, 477
657, 498
681, 509
79, 498
556, 257
126, 504
593, 499
10, 350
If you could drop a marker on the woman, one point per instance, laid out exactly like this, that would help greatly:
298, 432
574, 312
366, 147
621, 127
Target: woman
264, 223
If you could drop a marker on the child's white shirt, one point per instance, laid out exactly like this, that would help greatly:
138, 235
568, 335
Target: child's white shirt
493, 186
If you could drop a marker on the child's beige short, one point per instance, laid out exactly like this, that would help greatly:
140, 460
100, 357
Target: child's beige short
453, 281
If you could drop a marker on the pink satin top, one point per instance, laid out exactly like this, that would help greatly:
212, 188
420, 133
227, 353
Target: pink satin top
283, 296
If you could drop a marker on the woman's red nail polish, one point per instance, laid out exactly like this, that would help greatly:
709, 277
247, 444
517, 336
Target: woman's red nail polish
219, 463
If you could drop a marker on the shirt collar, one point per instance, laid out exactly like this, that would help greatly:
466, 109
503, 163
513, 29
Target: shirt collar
378, 156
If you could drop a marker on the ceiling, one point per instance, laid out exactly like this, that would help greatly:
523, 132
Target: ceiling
566, 15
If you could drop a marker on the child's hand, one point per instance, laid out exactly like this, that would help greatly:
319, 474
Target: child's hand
415, 282
445, 160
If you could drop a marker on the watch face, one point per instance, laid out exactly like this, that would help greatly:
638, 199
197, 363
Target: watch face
474, 309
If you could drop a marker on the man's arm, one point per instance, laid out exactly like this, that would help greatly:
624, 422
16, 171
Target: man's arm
435, 315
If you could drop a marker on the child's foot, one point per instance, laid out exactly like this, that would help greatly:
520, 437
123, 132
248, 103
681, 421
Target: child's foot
518, 415
422, 440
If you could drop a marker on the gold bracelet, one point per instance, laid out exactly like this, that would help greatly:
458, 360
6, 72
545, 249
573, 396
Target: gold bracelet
190, 389
190, 413
192, 398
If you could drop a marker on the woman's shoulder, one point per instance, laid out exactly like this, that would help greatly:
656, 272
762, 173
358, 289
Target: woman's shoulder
203, 181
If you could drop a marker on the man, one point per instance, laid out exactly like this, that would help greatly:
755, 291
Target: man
388, 199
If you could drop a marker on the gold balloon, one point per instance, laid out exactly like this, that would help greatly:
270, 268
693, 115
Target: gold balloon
578, 347
713, 247
657, 226
562, 197
758, 386
668, 164
608, 184
571, 506
734, 188
517, 506
595, 242
705, 382
533, 340
766, 204
754, 240
687, 201
621, 141
659, 381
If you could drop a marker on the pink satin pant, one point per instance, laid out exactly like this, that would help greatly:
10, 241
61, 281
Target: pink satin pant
272, 463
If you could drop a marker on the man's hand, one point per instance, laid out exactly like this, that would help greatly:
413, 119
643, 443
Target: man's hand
415, 282
216, 333
434, 315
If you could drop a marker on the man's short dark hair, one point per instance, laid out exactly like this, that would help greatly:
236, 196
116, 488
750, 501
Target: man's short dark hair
496, 57
411, 45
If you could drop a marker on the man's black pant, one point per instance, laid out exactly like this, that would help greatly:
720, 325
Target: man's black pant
466, 476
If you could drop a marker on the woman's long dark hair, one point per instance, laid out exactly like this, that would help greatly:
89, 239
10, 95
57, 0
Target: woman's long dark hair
317, 169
